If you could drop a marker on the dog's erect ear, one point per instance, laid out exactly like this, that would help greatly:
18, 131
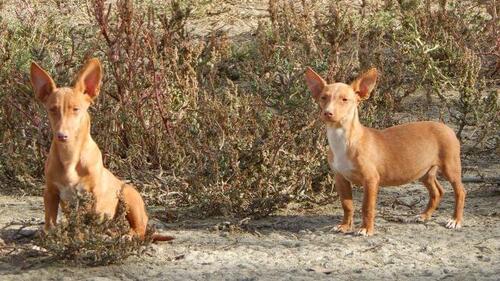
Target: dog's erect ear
42, 83
365, 83
89, 78
314, 82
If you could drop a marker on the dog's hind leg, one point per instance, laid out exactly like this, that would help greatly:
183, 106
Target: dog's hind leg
435, 193
453, 174
458, 187
136, 212
137, 216
439, 188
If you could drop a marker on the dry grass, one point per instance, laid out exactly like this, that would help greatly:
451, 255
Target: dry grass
228, 128
86, 238
81, 238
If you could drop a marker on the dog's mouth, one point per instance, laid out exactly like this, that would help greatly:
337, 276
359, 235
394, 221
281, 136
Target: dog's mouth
328, 119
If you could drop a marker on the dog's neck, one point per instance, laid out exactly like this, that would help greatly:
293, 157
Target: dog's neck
70, 153
346, 132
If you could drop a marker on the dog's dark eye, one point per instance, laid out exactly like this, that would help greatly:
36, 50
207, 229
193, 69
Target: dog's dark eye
323, 97
344, 99
76, 109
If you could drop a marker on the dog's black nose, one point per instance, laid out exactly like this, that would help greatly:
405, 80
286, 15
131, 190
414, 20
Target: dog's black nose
328, 114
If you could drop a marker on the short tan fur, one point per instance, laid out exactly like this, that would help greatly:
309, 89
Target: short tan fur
394, 156
75, 162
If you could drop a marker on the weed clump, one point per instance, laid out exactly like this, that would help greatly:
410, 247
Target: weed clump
87, 238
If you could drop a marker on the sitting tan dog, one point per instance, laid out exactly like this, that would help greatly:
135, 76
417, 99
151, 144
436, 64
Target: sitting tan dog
393, 156
75, 162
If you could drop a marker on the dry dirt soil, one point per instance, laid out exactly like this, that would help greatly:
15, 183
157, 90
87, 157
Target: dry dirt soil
295, 244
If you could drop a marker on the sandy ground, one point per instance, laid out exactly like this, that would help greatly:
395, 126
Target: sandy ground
232, 17
298, 244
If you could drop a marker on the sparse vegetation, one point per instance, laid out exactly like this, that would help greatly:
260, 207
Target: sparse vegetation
87, 238
225, 124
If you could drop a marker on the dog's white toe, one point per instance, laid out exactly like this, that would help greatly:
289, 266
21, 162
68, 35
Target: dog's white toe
453, 224
341, 228
362, 232
419, 218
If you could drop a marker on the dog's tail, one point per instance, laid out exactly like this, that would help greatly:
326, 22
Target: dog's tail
160, 238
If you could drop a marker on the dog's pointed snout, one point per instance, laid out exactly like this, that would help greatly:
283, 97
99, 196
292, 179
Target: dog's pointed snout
62, 136
328, 113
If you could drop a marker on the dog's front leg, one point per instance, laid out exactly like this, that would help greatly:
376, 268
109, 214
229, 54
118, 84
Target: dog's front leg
51, 204
368, 211
344, 190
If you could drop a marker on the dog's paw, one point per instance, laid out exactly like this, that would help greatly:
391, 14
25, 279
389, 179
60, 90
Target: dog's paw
420, 218
343, 228
453, 224
364, 232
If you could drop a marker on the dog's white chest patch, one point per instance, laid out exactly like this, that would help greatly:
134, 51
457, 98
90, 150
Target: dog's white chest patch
337, 139
67, 192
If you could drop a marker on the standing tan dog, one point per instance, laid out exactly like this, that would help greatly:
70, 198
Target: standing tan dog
75, 162
393, 156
